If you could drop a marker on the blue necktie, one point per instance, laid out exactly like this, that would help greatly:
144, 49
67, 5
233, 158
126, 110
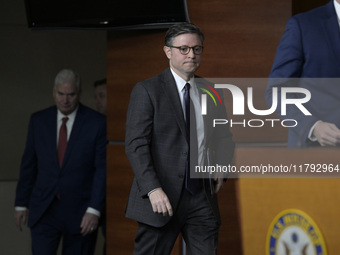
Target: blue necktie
191, 184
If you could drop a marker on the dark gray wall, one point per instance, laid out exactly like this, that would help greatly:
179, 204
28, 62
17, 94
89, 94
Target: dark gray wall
29, 61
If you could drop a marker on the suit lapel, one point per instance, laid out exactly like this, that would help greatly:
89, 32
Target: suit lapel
51, 136
332, 33
170, 88
208, 118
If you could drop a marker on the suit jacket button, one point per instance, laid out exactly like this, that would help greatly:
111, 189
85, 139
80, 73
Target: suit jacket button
185, 153
181, 176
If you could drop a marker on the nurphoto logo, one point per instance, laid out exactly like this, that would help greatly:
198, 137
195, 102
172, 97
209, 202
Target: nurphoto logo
282, 98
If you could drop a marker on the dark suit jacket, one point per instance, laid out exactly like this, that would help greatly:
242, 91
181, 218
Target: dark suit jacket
157, 147
81, 179
310, 48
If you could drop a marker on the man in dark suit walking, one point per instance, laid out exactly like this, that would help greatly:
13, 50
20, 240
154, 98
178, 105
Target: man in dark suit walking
310, 50
61, 189
164, 200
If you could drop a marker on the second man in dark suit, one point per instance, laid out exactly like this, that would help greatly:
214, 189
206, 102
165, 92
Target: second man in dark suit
61, 189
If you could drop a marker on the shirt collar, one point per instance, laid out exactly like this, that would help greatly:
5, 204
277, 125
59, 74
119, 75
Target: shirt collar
180, 82
71, 116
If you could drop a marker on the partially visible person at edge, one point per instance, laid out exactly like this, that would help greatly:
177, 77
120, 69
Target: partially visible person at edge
101, 102
310, 50
100, 95
61, 191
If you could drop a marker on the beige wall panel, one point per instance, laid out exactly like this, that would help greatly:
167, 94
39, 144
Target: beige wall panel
262, 199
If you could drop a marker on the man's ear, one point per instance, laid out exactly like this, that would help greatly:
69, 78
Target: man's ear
167, 51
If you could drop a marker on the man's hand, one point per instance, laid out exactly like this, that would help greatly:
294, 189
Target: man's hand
160, 202
20, 217
327, 134
89, 223
218, 184
218, 181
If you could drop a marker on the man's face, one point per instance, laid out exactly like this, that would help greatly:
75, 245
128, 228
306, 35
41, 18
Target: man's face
66, 97
100, 94
184, 65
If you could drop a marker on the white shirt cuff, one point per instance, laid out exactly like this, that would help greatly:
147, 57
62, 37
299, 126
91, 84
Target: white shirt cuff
20, 208
310, 135
93, 211
152, 191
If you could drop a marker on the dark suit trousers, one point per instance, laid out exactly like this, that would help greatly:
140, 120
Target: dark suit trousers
193, 218
48, 231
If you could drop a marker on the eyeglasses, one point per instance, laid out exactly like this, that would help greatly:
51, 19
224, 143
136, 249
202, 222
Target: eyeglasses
184, 50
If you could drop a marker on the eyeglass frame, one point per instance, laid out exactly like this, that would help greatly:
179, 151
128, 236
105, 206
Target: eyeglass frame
190, 48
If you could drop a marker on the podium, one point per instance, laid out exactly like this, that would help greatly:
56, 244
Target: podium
262, 197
